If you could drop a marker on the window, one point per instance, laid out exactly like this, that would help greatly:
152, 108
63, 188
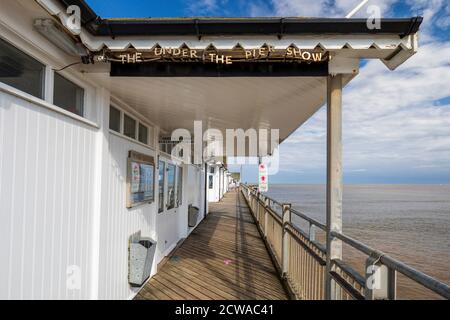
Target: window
21, 71
143, 133
114, 119
210, 182
179, 186
68, 95
211, 170
170, 186
162, 169
129, 126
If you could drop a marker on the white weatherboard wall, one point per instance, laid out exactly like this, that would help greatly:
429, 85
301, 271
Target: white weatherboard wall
48, 193
63, 214
118, 222
46, 200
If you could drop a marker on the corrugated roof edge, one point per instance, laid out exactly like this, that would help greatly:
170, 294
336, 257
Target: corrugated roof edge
237, 26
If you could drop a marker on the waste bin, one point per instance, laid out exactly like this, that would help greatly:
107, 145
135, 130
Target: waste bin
141, 254
192, 216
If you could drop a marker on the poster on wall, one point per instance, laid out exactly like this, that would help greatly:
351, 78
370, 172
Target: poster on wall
140, 179
135, 177
146, 185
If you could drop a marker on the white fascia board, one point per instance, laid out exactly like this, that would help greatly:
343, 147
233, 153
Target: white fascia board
326, 42
393, 49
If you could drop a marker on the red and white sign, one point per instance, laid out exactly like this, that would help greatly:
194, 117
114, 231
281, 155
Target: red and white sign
263, 185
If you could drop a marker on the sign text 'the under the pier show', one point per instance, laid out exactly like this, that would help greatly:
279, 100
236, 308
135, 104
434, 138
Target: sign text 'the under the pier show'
219, 56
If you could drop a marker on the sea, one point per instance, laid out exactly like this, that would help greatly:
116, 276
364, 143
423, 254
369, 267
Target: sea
408, 222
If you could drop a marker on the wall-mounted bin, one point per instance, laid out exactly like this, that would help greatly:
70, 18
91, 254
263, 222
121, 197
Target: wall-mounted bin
192, 216
141, 254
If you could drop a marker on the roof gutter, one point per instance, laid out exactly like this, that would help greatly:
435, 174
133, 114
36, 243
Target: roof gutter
237, 26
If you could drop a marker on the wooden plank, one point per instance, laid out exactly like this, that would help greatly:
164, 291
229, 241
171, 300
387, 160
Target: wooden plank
215, 274
224, 258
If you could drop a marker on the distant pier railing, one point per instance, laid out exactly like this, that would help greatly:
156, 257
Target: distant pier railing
301, 260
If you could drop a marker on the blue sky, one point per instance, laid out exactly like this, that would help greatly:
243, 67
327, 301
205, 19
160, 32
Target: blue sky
396, 124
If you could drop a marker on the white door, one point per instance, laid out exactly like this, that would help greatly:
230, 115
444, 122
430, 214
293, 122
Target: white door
167, 219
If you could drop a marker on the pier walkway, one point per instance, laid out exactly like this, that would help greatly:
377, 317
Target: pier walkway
224, 258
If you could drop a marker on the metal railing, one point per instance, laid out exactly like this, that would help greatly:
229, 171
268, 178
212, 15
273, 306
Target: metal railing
301, 259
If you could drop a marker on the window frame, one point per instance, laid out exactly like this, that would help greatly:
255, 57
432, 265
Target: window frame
43, 77
161, 202
73, 81
90, 114
120, 119
139, 125
210, 182
179, 186
129, 114
171, 206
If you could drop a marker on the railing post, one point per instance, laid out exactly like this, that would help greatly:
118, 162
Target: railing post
334, 180
392, 284
258, 206
285, 244
380, 280
267, 206
312, 232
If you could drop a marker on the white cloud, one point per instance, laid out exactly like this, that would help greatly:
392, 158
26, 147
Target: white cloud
206, 7
324, 8
390, 118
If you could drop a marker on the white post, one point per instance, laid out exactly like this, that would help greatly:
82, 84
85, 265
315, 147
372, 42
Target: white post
285, 244
101, 180
334, 180
266, 208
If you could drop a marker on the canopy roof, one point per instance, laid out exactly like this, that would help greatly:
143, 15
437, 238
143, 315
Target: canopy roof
276, 102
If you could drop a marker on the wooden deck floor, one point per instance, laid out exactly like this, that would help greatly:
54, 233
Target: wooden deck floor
224, 258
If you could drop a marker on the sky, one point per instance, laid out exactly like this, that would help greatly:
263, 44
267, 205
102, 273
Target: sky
396, 125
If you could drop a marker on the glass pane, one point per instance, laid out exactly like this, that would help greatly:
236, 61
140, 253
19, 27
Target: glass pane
68, 95
162, 169
114, 119
171, 186
143, 133
211, 170
21, 71
210, 182
179, 186
129, 126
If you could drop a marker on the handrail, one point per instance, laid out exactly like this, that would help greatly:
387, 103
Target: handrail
303, 233
310, 220
416, 275
309, 244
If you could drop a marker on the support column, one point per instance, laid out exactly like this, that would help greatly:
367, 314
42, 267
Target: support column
334, 179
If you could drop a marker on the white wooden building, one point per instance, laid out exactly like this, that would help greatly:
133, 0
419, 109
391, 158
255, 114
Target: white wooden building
66, 132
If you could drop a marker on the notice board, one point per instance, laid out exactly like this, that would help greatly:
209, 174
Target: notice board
140, 179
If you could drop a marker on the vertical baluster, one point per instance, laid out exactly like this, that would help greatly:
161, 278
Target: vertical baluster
392, 284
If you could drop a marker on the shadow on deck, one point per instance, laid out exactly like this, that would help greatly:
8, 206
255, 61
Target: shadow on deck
224, 258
